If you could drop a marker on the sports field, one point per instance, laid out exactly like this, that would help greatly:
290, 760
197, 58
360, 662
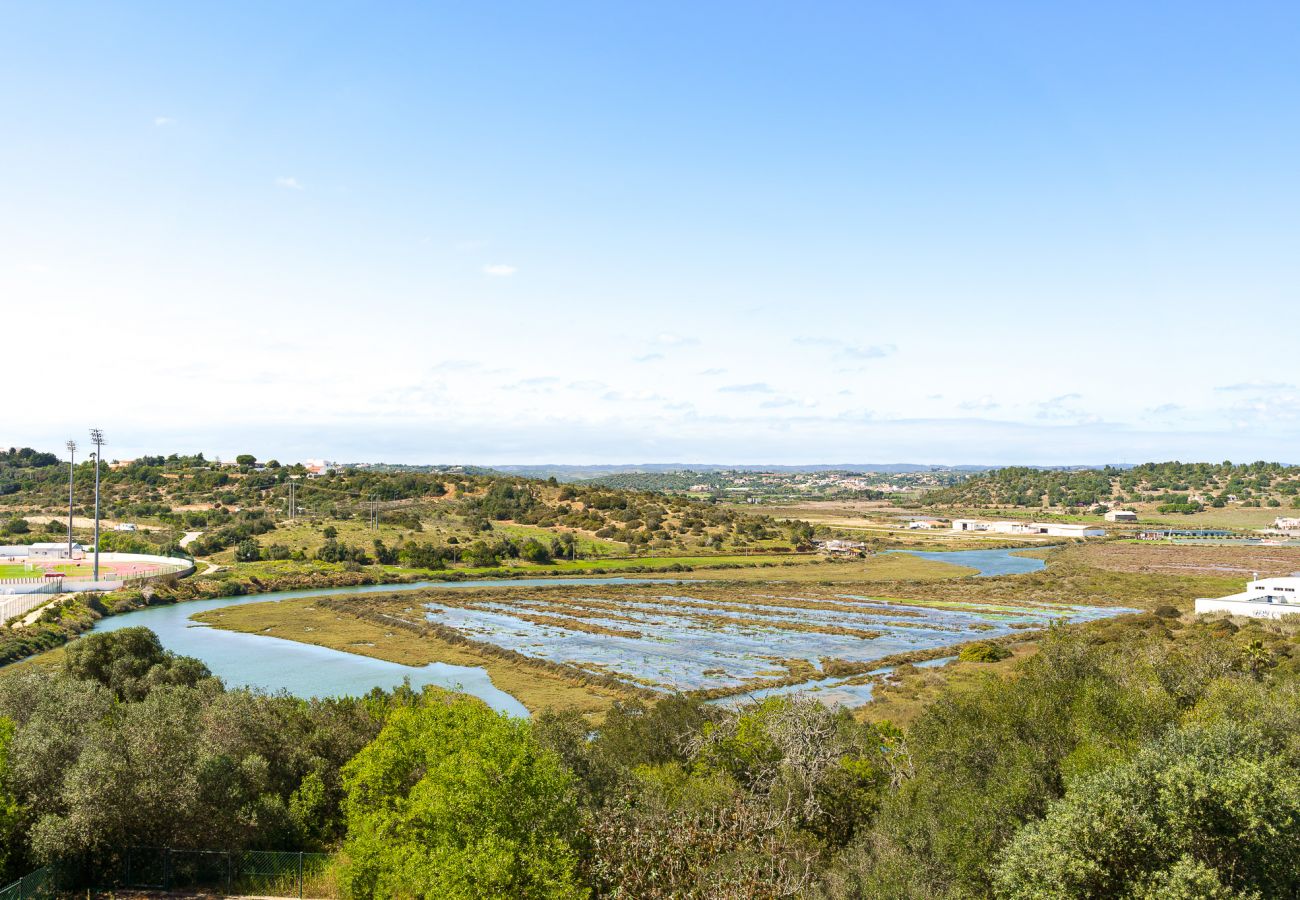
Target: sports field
36, 570
78, 569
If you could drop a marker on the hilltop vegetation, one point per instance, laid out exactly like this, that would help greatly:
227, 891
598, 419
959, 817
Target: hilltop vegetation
1173, 484
243, 504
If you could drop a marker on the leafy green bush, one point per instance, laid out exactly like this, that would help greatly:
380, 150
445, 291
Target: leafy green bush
983, 651
454, 800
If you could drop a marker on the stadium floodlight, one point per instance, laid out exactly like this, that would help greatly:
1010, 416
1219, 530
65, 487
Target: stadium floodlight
97, 438
72, 468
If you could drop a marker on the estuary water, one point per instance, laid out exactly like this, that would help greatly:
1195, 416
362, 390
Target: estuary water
988, 562
305, 670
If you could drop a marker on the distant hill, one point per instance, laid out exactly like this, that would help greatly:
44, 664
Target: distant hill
1185, 487
585, 473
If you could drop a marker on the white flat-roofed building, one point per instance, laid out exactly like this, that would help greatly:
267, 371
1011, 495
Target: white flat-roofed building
994, 527
55, 551
1287, 523
1264, 598
1067, 529
1052, 529
838, 547
1121, 515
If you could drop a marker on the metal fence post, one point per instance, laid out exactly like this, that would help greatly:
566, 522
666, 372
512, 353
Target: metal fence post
167, 858
299, 875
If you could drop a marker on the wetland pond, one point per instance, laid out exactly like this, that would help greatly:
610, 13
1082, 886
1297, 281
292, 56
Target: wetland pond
667, 639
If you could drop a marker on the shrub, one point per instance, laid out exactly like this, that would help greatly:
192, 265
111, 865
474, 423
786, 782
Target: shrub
983, 651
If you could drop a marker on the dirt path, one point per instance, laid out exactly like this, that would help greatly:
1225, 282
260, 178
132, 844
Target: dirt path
87, 522
190, 537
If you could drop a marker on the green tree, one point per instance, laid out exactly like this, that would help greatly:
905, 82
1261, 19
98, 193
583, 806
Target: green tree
8, 802
534, 551
130, 662
248, 551
453, 800
801, 534
1215, 806
245, 459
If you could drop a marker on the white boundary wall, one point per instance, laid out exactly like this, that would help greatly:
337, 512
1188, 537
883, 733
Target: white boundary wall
1255, 609
19, 604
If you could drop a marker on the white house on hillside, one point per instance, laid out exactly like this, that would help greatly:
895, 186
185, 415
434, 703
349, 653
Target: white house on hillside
1264, 598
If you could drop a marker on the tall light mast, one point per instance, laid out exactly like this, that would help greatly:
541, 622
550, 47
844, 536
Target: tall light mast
97, 438
72, 468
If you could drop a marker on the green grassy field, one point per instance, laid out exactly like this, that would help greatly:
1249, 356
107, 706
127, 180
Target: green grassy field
19, 570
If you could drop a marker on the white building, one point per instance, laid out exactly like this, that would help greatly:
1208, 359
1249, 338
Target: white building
1287, 523
842, 548
1121, 515
1069, 529
994, 527
1051, 529
1265, 598
55, 551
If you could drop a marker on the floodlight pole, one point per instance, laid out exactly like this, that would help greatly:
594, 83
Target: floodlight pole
97, 438
72, 468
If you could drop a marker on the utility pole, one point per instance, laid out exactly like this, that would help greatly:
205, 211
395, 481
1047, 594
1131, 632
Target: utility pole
97, 438
72, 468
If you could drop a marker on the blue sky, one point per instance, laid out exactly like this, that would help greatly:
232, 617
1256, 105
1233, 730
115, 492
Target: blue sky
724, 232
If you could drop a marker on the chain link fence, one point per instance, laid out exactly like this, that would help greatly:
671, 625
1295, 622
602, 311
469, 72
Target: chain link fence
41, 883
251, 872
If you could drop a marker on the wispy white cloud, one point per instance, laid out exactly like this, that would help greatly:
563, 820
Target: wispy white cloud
1257, 387
756, 387
847, 350
1065, 407
979, 404
669, 339
163, 121
289, 182
714, 371
450, 365
648, 357
499, 270
872, 351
